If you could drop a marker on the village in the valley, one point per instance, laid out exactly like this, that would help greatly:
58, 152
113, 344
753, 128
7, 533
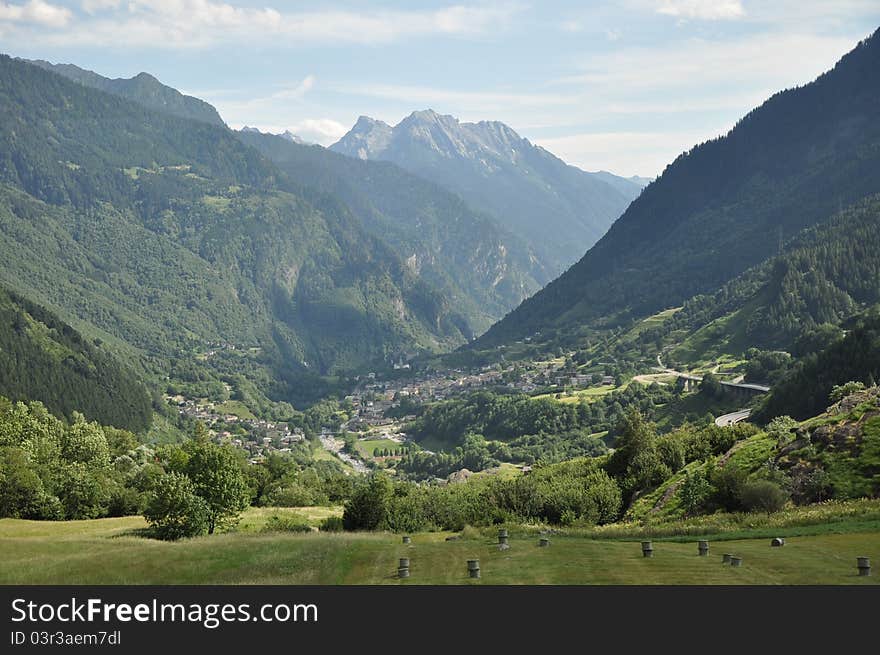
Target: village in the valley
380, 407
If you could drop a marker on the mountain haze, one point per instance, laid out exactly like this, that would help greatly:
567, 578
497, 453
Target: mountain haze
481, 267
557, 209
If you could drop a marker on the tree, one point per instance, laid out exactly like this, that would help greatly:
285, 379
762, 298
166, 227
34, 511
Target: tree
694, 492
174, 510
85, 443
781, 428
711, 386
217, 478
727, 485
84, 491
368, 507
21, 490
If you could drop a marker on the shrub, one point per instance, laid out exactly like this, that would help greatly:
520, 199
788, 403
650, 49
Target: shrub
277, 523
331, 524
174, 510
763, 495
368, 507
841, 391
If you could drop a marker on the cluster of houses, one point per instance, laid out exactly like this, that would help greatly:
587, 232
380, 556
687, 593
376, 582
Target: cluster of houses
257, 436
373, 398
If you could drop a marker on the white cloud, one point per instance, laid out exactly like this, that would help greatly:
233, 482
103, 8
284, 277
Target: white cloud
35, 11
321, 130
702, 9
193, 24
460, 101
94, 6
764, 60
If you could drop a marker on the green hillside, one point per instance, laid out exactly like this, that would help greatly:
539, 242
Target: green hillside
805, 390
723, 206
143, 88
43, 358
170, 235
825, 275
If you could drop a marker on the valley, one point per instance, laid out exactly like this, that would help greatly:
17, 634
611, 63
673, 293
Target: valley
285, 356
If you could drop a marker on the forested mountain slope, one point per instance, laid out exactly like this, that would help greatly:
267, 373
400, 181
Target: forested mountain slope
143, 88
466, 254
825, 275
721, 207
170, 234
43, 358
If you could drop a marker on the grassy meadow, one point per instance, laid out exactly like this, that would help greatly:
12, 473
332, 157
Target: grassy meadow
109, 551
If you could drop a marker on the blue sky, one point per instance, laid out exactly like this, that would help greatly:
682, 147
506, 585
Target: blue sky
622, 86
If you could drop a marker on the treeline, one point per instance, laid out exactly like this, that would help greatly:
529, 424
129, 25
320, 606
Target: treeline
45, 359
827, 274
500, 417
50, 469
579, 491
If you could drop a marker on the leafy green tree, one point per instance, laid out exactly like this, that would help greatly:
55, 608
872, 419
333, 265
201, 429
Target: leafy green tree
85, 443
174, 510
84, 491
216, 474
711, 386
781, 428
694, 492
368, 507
21, 489
727, 485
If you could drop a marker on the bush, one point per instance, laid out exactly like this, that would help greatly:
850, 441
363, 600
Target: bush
331, 524
277, 523
694, 492
368, 507
763, 495
174, 510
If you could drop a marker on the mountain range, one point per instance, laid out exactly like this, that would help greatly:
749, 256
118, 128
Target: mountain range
558, 209
162, 235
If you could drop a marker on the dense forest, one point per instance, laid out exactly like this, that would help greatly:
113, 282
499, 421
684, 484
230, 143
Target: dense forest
170, 235
825, 275
43, 358
805, 391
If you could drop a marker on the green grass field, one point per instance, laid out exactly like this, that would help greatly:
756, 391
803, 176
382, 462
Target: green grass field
236, 408
365, 448
105, 551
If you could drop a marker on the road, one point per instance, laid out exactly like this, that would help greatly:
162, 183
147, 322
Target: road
334, 445
733, 417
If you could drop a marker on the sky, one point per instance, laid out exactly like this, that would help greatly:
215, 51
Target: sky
622, 86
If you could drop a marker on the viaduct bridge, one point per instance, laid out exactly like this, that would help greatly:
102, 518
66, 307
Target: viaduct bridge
743, 390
